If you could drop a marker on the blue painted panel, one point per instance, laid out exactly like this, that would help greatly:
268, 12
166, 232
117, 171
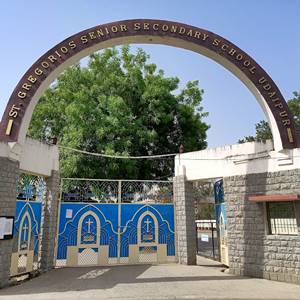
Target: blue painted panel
130, 215
70, 215
220, 208
34, 210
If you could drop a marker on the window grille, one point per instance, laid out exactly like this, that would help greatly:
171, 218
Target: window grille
282, 218
31, 188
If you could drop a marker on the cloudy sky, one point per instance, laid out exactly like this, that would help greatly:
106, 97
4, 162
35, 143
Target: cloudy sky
268, 30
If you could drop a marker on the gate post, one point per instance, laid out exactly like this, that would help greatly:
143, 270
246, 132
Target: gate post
9, 172
185, 220
50, 221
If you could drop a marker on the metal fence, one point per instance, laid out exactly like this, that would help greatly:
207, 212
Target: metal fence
31, 188
116, 191
207, 239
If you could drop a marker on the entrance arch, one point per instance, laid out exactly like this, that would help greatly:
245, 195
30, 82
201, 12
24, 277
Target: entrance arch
18, 112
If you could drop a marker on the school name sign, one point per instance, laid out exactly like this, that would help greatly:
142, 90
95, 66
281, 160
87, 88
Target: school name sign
145, 31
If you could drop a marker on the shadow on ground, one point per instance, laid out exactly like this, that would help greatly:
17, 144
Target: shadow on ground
81, 279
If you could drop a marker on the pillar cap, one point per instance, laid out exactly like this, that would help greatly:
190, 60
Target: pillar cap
181, 170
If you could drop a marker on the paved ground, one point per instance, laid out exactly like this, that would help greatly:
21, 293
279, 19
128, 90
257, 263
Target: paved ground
205, 281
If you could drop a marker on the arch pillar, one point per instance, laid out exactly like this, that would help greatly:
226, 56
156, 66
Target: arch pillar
185, 219
50, 221
9, 173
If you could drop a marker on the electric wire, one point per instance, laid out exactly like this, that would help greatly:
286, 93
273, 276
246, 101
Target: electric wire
162, 156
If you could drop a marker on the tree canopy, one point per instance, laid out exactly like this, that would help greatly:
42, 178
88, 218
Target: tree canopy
120, 104
263, 130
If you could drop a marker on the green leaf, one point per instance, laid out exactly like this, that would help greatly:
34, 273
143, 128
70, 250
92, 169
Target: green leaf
120, 103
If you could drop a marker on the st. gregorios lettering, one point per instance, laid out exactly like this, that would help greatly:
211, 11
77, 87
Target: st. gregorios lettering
14, 111
43, 66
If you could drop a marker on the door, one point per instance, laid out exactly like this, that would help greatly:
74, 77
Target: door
28, 224
221, 220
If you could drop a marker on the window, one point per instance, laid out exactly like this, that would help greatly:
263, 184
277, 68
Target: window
281, 218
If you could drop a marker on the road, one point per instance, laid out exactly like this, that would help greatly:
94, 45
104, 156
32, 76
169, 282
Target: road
172, 281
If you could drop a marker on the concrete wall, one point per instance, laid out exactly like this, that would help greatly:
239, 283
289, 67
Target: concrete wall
252, 250
239, 159
34, 157
38, 157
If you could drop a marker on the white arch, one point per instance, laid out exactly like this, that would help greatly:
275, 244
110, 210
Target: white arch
152, 40
281, 123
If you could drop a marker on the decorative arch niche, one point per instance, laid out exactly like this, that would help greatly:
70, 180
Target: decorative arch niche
94, 220
25, 232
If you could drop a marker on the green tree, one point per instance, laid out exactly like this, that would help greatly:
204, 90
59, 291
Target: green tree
263, 130
263, 133
120, 104
294, 106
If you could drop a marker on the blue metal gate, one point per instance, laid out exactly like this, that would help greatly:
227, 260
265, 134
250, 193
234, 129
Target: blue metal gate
28, 223
97, 227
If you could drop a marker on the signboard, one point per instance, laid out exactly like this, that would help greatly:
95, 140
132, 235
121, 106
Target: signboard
6, 228
204, 238
69, 213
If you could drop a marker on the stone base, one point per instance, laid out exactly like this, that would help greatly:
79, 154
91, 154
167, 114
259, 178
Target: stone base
50, 221
185, 220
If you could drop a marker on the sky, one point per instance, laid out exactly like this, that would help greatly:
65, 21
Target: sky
268, 30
